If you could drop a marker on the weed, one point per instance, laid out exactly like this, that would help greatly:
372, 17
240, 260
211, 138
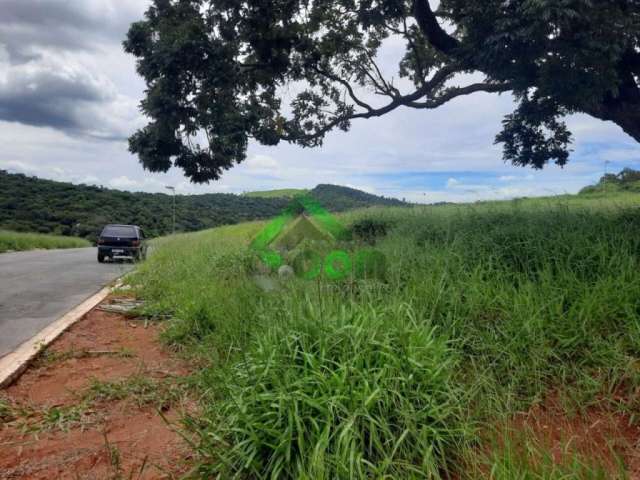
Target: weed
114, 459
518, 455
7, 413
49, 357
140, 388
30, 419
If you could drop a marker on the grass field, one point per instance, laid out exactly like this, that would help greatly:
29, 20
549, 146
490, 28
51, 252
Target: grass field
284, 192
17, 241
486, 311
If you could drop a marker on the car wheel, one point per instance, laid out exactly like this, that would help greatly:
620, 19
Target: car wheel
100, 258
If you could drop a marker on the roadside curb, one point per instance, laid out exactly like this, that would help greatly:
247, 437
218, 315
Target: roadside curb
13, 364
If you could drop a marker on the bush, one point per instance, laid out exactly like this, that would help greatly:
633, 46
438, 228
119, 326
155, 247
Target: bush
362, 396
369, 230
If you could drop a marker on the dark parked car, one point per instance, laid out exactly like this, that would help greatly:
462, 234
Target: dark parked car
122, 241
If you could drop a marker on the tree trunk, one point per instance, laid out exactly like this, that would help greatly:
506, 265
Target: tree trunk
627, 116
623, 110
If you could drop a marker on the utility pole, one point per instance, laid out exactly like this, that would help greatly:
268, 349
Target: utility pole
606, 164
173, 189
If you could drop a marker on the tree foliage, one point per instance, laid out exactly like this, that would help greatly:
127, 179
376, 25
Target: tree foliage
222, 72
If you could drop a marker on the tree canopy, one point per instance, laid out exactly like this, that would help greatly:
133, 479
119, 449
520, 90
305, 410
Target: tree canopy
222, 72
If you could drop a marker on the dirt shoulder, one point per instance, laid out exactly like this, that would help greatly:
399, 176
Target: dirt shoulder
92, 406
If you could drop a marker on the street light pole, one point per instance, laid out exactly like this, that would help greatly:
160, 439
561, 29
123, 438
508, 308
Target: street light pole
606, 164
173, 189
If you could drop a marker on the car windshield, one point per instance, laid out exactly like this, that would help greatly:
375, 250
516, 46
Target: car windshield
119, 231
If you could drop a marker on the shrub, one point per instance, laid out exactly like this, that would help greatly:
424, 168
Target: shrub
360, 396
369, 230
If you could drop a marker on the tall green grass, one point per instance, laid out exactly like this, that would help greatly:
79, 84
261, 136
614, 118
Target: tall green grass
18, 241
484, 310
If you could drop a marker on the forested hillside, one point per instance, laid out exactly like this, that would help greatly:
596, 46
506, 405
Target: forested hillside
337, 199
30, 204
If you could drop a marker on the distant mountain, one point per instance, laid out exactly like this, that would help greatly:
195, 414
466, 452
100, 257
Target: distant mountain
30, 204
332, 197
337, 199
282, 193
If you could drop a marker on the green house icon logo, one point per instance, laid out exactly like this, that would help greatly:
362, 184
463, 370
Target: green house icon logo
308, 237
303, 222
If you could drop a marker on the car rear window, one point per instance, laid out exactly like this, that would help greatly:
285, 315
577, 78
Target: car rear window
119, 232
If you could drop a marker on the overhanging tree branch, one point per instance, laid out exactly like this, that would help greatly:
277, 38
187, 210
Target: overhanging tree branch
408, 100
454, 92
346, 85
431, 29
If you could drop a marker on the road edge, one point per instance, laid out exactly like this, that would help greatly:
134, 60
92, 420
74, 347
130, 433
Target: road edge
15, 363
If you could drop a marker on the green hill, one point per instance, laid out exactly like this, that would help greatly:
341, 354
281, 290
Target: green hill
282, 193
337, 199
30, 204
628, 180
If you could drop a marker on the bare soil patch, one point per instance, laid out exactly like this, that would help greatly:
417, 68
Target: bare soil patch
89, 407
598, 434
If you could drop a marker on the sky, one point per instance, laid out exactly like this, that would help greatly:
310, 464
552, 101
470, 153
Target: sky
69, 99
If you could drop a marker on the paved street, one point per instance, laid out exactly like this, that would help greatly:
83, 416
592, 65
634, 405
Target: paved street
39, 286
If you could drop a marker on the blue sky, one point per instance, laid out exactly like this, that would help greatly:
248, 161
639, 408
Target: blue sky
69, 96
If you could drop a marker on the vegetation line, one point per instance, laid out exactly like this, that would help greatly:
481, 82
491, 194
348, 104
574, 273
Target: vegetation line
16, 241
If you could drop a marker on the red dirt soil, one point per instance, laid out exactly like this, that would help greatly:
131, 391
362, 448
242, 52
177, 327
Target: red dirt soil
599, 436
117, 438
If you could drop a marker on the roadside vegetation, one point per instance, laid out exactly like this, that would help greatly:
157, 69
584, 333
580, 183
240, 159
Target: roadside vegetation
17, 241
485, 311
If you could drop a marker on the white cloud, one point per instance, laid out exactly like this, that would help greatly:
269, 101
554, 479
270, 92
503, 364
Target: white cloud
125, 183
261, 162
89, 180
364, 188
453, 183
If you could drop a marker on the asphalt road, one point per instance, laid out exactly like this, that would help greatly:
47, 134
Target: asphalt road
39, 286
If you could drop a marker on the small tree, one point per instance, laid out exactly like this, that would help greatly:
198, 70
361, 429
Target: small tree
216, 69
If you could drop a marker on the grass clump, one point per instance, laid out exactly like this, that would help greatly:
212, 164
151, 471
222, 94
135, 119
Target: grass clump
7, 413
360, 395
30, 419
18, 241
